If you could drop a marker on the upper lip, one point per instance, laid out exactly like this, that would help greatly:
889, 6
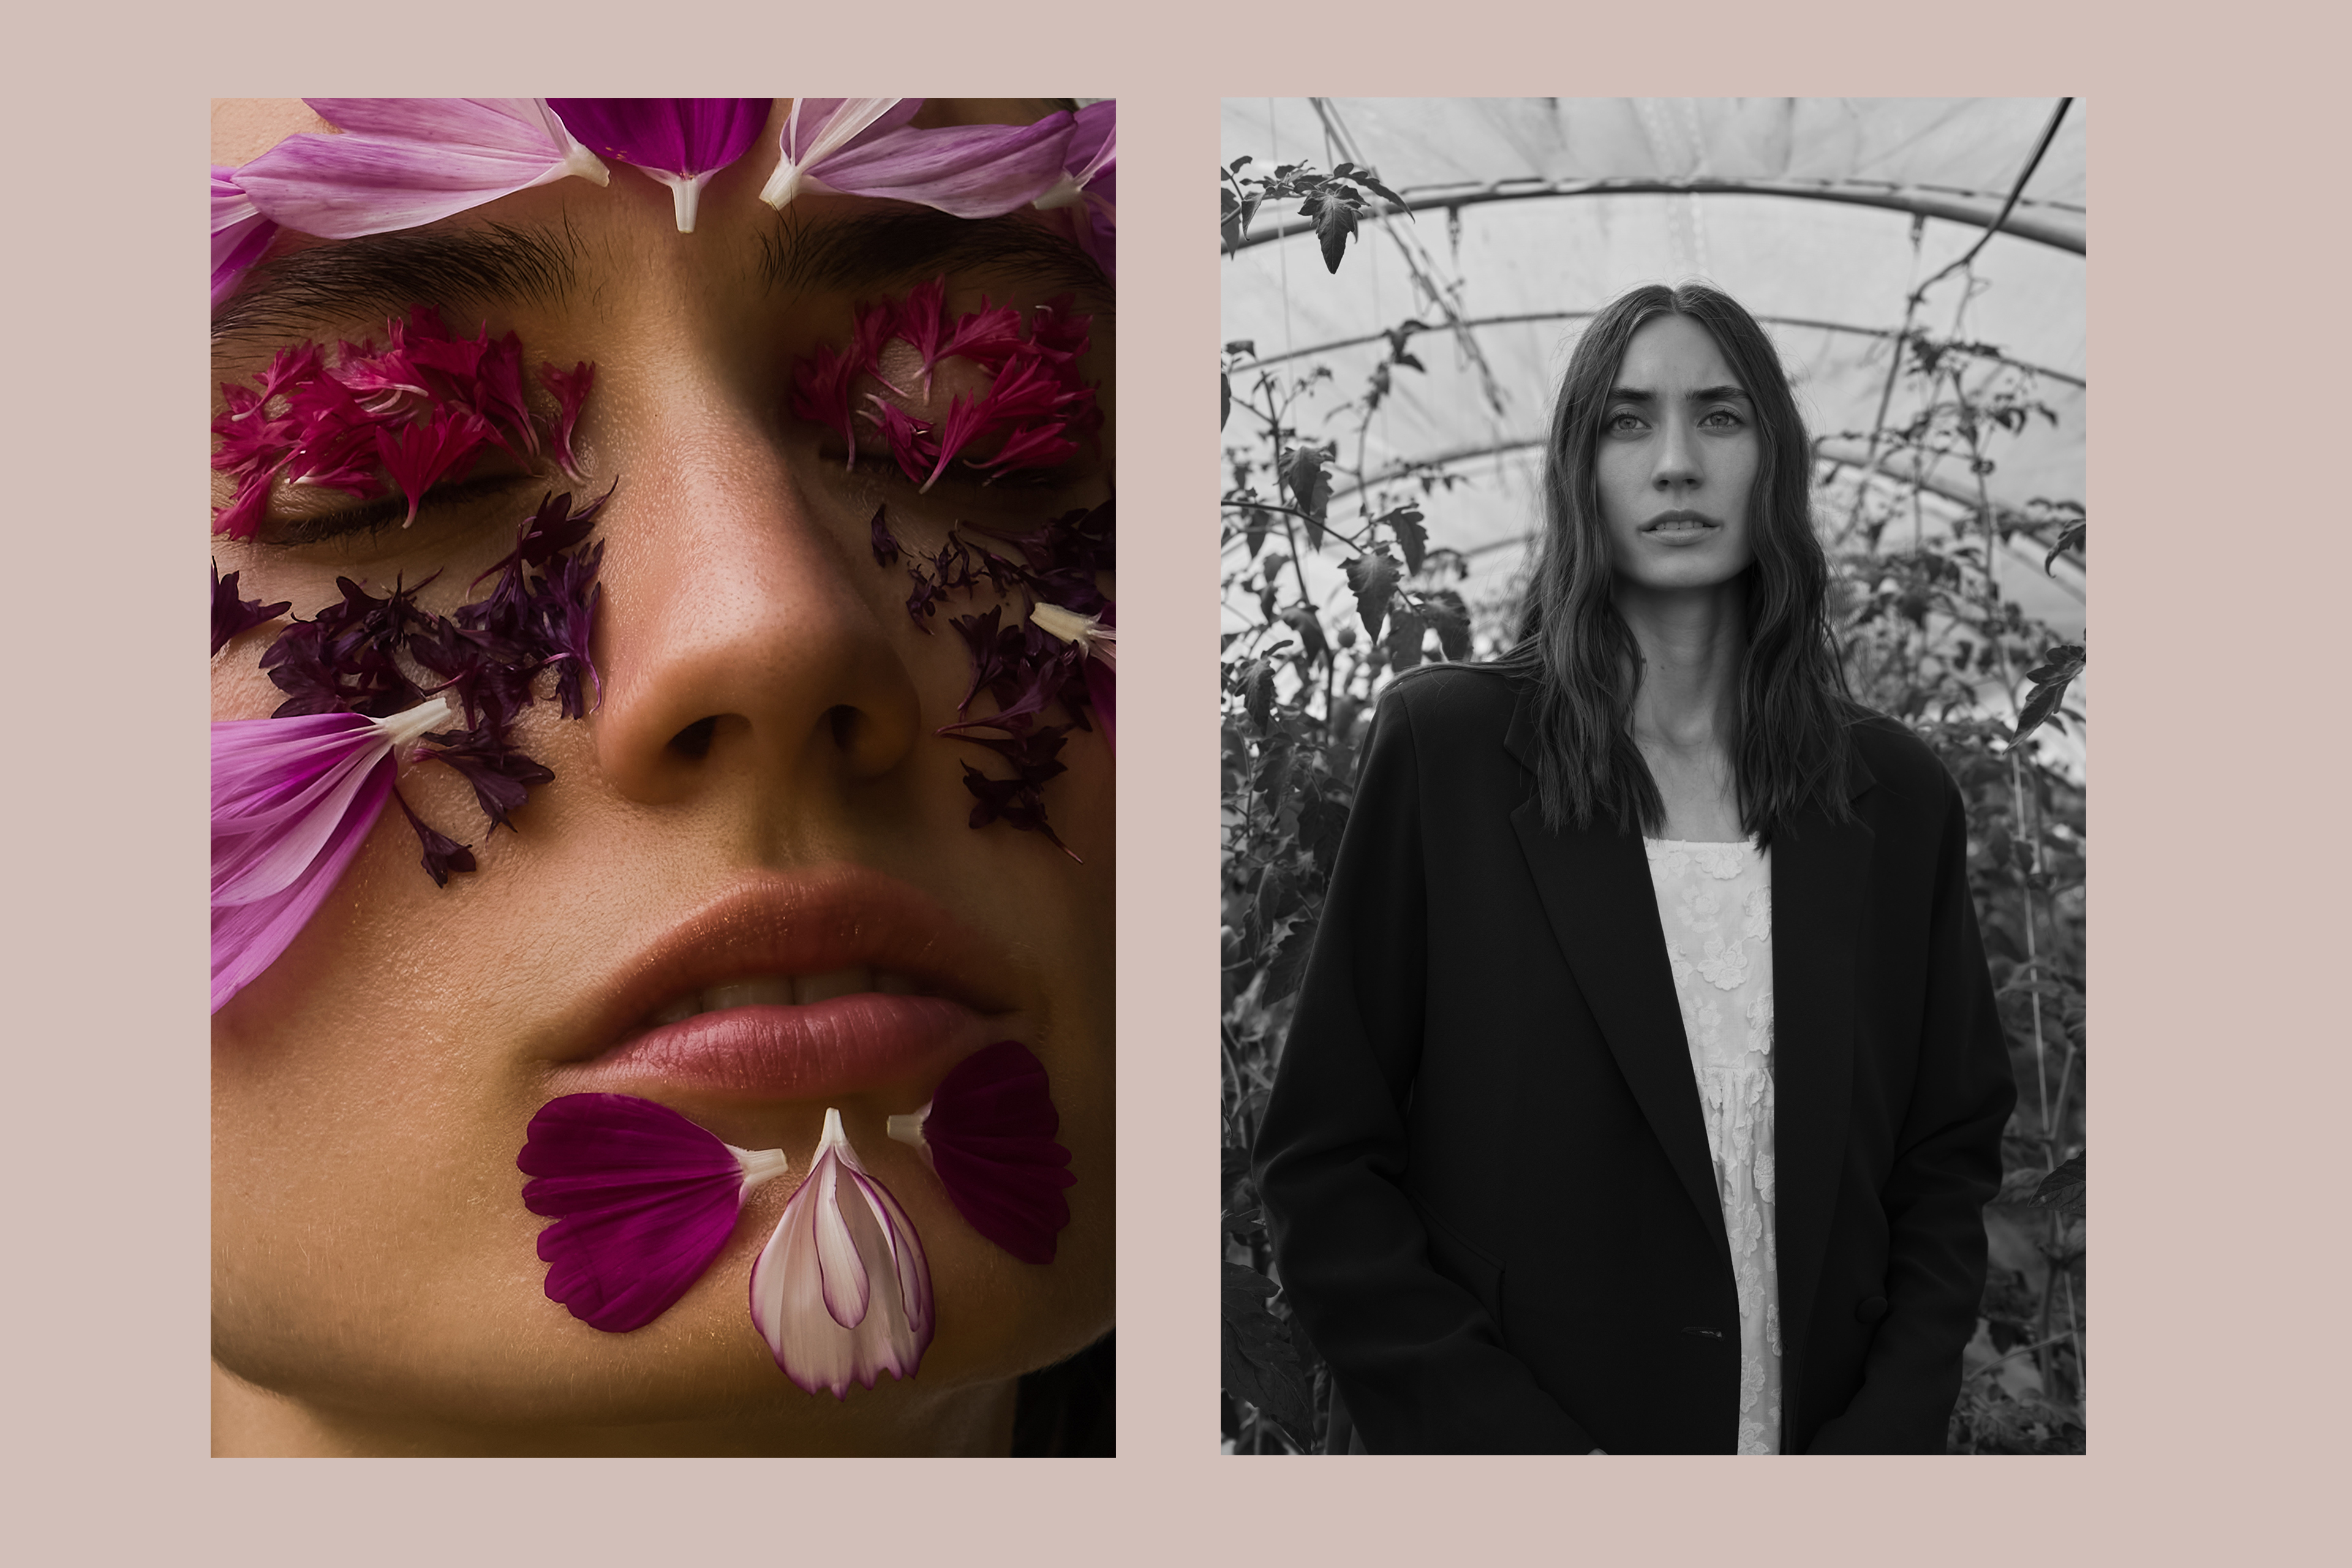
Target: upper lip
1681, 515
843, 917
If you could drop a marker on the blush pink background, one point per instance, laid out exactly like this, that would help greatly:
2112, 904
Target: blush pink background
2217, 481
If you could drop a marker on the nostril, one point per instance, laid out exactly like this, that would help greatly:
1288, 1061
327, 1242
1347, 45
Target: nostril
694, 740
843, 719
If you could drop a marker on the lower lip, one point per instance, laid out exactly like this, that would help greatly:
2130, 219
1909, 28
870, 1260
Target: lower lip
827, 1048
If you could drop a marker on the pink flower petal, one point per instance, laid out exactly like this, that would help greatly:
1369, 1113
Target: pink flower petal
410, 161
817, 128
970, 171
842, 1292
988, 1134
292, 801
642, 1198
241, 236
681, 141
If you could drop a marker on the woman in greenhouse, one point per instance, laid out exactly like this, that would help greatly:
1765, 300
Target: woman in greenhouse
1646, 1087
601, 827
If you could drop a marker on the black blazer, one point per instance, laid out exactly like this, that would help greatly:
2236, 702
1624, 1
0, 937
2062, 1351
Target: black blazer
1484, 1163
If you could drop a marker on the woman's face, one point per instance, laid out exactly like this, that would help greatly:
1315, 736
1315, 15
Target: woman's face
761, 796
1676, 461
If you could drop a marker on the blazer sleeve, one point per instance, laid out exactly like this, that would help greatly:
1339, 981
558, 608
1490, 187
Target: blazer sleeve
1946, 1167
1418, 1361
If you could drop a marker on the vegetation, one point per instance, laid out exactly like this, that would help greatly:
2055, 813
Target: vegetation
1929, 636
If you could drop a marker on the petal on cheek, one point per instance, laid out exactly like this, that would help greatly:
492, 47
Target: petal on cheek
842, 1292
643, 1201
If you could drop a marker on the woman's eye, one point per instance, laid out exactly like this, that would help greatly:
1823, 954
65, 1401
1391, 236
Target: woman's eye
1622, 424
1723, 419
387, 515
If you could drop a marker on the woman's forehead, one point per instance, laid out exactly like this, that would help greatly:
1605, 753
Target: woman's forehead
1674, 351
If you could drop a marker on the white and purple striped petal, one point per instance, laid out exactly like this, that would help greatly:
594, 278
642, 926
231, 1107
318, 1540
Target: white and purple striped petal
402, 161
292, 801
969, 171
842, 1292
681, 141
817, 128
240, 233
642, 1198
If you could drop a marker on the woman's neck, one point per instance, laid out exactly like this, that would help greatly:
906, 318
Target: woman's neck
891, 1420
1686, 709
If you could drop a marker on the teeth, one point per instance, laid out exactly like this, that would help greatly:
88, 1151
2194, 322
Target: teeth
784, 991
770, 991
808, 988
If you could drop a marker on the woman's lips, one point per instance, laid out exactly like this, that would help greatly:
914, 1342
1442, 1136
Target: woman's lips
790, 987
825, 1049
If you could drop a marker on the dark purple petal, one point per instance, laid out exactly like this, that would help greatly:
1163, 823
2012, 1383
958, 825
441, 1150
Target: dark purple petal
443, 855
500, 774
991, 1134
642, 1199
886, 549
233, 616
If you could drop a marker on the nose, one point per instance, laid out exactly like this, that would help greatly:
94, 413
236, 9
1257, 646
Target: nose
1679, 469
739, 643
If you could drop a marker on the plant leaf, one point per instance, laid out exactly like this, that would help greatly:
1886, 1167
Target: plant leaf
2062, 1189
1374, 579
1410, 535
1333, 224
1260, 1362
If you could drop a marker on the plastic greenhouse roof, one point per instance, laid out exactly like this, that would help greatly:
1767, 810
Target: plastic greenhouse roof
1819, 215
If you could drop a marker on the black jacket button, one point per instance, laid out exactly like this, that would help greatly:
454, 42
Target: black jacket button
1870, 1309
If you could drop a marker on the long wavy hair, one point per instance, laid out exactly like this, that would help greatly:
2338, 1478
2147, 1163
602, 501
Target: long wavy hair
1794, 703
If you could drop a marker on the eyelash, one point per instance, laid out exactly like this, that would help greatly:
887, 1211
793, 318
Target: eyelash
376, 516
1736, 420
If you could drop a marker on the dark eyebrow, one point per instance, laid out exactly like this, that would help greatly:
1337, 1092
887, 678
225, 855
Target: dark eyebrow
1725, 393
905, 245
382, 274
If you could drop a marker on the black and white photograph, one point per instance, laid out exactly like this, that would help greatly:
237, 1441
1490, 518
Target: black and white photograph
1654, 801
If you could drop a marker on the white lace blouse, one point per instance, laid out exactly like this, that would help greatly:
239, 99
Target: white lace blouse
1714, 902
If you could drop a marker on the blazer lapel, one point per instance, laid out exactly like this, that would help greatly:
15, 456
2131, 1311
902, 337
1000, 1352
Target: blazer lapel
1596, 892
1820, 872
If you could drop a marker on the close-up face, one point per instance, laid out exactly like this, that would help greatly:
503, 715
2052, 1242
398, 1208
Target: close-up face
1676, 461
752, 891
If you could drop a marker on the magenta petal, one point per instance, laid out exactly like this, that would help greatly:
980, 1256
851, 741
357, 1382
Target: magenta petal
643, 1201
410, 161
241, 236
681, 141
842, 1292
970, 171
991, 1132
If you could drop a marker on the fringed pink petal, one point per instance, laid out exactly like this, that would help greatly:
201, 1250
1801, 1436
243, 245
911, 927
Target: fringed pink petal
969, 171
842, 1292
642, 1198
404, 162
292, 801
989, 1136
241, 235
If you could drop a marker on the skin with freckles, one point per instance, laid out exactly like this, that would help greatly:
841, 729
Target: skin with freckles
769, 712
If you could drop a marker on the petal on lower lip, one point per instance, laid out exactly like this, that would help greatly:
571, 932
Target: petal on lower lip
642, 1198
842, 1292
988, 1134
